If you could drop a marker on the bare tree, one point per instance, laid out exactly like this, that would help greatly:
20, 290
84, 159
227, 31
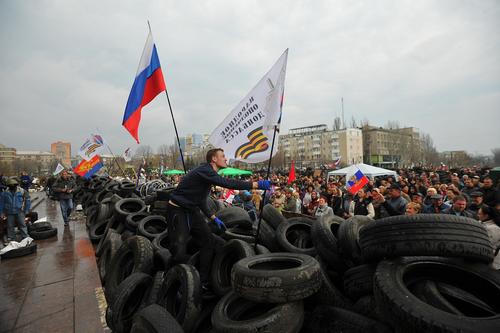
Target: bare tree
429, 152
144, 151
393, 124
365, 122
496, 156
173, 156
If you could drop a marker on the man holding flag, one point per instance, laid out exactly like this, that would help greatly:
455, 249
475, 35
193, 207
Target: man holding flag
188, 204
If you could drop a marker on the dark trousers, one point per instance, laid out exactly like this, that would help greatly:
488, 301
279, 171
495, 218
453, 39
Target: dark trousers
182, 224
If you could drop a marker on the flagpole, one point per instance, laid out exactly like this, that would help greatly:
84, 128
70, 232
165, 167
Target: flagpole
261, 208
176, 133
173, 120
114, 157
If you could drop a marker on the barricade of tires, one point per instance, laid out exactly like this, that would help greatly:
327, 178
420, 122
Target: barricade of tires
426, 273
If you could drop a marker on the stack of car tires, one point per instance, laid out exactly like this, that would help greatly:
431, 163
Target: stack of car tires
425, 273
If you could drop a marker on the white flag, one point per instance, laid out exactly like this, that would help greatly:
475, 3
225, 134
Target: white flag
127, 155
247, 133
58, 169
91, 147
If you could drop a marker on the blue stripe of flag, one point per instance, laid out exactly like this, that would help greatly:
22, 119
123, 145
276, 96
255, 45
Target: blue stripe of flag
137, 91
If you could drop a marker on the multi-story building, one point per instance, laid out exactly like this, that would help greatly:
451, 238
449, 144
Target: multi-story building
7, 154
398, 147
35, 161
350, 145
310, 146
62, 150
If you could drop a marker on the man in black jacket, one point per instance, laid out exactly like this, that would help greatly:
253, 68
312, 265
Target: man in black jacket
189, 200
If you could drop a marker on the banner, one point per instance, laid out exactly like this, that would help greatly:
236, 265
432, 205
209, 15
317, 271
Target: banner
91, 147
59, 168
87, 168
246, 133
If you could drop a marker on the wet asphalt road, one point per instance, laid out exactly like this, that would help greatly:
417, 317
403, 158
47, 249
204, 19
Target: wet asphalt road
56, 289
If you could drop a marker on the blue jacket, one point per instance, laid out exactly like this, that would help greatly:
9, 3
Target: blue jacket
15, 202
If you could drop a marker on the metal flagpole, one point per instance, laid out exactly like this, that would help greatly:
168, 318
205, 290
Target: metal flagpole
261, 208
173, 120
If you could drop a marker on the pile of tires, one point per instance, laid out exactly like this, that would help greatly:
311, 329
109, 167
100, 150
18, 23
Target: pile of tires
41, 230
427, 273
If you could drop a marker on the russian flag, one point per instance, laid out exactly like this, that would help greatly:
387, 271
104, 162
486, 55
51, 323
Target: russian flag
357, 182
147, 85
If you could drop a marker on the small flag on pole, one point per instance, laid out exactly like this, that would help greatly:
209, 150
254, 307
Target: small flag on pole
337, 162
127, 155
91, 147
356, 182
291, 175
147, 85
59, 168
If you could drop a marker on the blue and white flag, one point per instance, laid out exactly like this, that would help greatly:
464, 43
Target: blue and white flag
91, 147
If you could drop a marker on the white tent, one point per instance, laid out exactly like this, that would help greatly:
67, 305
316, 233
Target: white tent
368, 170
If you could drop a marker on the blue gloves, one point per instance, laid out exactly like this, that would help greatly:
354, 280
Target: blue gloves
264, 184
219, 223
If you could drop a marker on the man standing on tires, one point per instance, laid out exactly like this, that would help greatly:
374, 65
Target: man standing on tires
63, 187
189, 200
14, 203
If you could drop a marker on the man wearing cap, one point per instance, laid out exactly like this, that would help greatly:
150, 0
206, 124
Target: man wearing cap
290, 201
459, 208
477, 201
437, 205
396, 205
14, 204
418, 198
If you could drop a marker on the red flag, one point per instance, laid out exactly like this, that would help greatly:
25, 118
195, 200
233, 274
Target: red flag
291, 175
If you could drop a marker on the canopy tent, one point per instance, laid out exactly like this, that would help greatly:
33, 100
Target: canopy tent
368, 170
234, 172
173, 172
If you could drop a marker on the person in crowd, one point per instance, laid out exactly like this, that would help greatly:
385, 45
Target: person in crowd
437, 205
313, 204
307, 198
379, 209
469, 187
455, 180
418, 198
405, 192
336, 201
298, 202
256, 199
278, 199
431, 191
290, 204
476, 201
395, 205
413, 208
323, 209
489, 193
451, 193
476, 181
63, 188
14, 205
361, 205
487, 215
459, 208
188, 204
25, 180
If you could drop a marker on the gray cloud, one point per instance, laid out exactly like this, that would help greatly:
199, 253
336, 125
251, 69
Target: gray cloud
66, 67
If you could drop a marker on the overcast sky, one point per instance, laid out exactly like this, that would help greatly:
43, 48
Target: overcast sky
66, 67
